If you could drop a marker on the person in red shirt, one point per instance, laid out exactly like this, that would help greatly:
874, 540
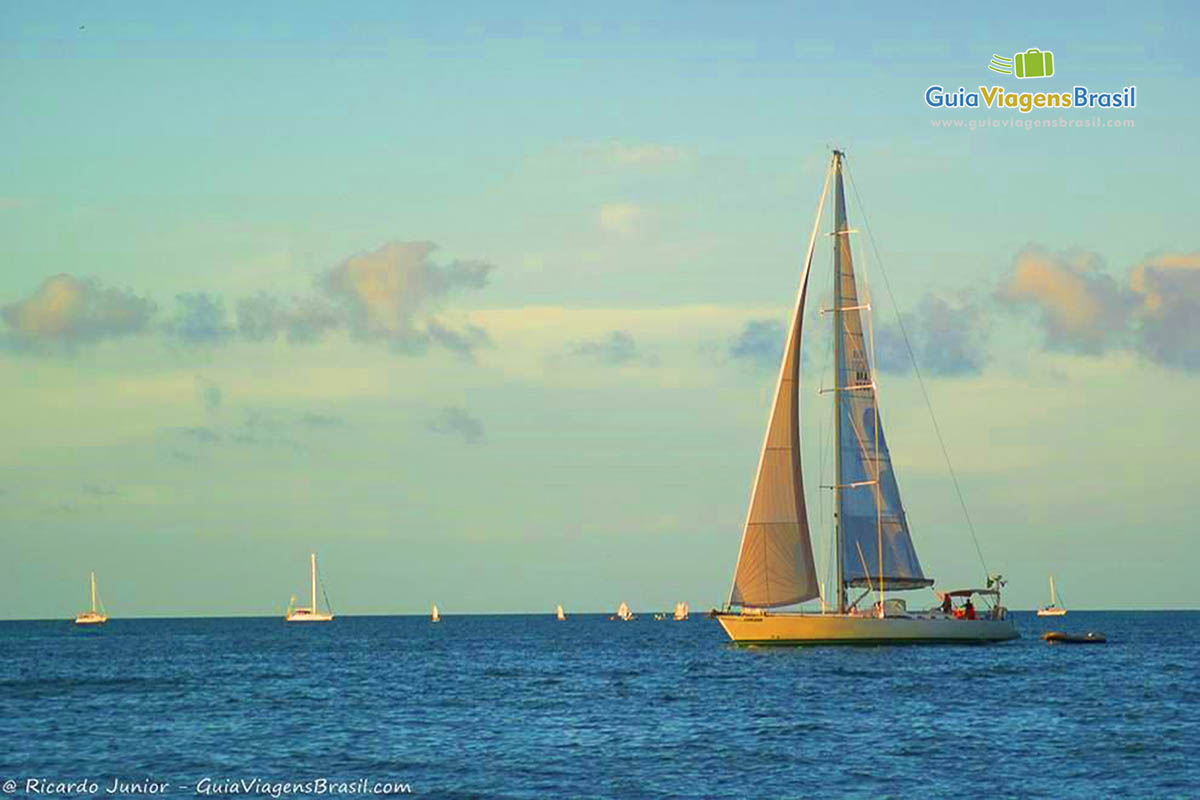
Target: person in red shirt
969, 608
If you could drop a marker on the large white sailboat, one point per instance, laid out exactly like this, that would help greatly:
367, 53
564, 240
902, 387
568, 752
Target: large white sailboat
95, 616
872, 546
311, 613
1054, 609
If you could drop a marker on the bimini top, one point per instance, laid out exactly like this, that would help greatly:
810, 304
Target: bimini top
967, 592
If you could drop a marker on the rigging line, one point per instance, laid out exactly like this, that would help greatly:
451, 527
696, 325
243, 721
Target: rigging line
325, 595
917, 371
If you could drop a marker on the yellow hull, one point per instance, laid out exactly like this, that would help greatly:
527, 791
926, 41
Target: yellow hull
820, 629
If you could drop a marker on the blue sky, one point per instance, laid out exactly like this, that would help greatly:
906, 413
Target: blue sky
479, 302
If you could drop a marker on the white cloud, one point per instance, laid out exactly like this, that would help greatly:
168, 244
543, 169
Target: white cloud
621, 218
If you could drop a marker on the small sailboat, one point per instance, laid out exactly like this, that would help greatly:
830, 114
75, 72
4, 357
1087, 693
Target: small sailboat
435, 616
1054, 609
623, 613
95, 616
311, 613
559, 614
871, 541
681, 611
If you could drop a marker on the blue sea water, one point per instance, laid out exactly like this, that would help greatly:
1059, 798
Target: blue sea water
524, 706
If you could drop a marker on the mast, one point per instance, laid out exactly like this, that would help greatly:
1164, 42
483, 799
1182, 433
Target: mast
1053, 597
94, 592
312, 575
838, 202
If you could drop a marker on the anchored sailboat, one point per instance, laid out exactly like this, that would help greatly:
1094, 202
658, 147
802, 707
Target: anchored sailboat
310, 614
1054, 609
95, 616
873, 548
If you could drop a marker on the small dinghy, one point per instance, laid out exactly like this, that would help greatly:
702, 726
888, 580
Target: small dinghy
1058, 637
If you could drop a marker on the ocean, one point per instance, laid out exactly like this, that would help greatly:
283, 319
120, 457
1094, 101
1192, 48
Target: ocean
523, 706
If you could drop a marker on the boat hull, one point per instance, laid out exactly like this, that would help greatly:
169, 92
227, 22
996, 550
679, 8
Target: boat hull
789, 630
1051, 612
307, 617
1058, 637
90, 618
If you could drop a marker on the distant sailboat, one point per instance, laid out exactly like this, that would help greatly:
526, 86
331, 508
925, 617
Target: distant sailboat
1054, 609
559, 614
311, 613
95, 616
435, 616
623, 613
681, 611
872, 544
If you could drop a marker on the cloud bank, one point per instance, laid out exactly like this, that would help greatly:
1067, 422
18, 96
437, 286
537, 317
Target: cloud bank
456, 422
1154, 312
66, 310
618, 347
1168, 317
948, 339
759, 343
1080, 307
391, 295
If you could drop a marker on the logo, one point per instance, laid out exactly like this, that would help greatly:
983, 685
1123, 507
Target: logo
1033, 63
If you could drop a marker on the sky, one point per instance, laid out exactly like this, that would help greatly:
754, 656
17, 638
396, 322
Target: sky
483, 303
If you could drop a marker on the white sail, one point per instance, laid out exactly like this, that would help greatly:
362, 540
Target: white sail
311, 613
1054, 609
95, 616
623, 612
559, 613
681, 611
435, 616
775, 563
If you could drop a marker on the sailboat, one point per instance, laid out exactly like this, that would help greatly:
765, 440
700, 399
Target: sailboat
559, 614
311, 613
623, 613
872, 545
435, 616
93, 617
681, 611
1054, 609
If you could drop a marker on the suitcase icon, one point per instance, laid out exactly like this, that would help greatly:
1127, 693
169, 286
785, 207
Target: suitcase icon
1034, 63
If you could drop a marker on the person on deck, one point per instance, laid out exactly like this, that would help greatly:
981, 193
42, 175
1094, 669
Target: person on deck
969, 608
947, 604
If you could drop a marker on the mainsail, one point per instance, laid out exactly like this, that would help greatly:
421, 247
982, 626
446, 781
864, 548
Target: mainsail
870, 516
775, 565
